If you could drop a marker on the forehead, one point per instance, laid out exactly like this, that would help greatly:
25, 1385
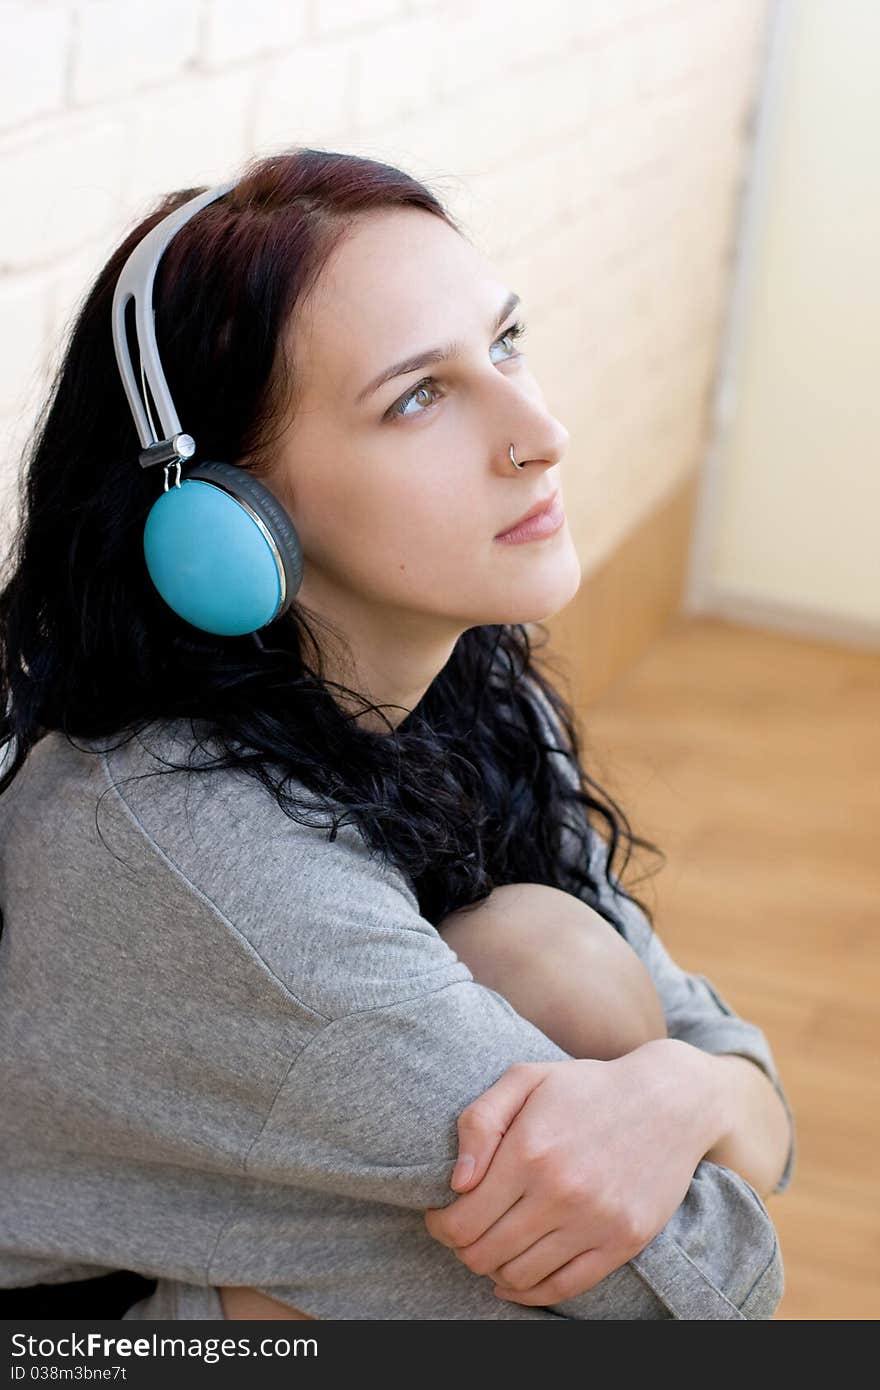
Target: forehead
400, 281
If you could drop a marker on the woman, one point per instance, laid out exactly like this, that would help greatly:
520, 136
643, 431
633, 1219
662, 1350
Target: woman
238, 1052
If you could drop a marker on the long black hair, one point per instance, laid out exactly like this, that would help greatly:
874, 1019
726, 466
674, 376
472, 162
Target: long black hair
462, 795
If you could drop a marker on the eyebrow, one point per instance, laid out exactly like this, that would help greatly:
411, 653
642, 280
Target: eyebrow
444, 353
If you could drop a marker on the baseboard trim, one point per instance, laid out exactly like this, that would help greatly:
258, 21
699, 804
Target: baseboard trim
628, 600
787, 618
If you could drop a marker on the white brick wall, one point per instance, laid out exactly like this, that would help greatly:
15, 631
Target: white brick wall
36, 43
118, 47
594, 148
235, 32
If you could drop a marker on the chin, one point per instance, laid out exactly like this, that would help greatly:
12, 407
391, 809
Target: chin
544, 592
535, 604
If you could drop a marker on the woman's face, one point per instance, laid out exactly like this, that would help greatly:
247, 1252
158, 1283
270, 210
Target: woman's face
397, 491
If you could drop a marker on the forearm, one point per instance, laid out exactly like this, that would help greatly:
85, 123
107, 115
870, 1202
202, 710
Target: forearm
562, 966
755, 1134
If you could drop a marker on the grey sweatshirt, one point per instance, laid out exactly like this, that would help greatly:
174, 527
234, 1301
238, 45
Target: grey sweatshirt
232, 1052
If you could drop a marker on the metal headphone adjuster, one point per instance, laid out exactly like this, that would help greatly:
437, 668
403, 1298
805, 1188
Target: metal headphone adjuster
173, 450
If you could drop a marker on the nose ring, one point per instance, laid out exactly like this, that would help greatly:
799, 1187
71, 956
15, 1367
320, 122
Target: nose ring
513, 460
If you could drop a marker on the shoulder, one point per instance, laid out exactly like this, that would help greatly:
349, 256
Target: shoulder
333, 918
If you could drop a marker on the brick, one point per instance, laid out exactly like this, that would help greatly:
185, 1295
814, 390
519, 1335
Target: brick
61, 189
336, 16
121, 45
543, 272
521, 201
303, 98
189, 133
537, 33
615, 67
549, 104
673, 48
395, 72
33, 60
590, 20
235, 31
492, 41
14, 435
24, 303
69, 283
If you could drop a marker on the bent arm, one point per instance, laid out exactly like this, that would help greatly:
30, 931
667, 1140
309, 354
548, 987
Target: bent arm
759, 1138
758, 1133
696, 1013
564, 967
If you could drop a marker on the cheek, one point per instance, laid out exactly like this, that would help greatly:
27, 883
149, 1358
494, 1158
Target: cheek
416, 519
440, 533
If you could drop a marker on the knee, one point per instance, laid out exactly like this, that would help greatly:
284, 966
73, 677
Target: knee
560, 964
519, 922
534, 944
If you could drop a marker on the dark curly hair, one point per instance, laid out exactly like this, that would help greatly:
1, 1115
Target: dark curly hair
462, 795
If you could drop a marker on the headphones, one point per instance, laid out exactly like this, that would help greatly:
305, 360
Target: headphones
219, 547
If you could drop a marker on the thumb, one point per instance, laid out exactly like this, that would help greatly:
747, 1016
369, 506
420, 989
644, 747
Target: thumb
483, 1124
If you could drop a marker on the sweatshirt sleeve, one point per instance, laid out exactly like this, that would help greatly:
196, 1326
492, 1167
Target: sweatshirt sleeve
367, 1114
695, 1011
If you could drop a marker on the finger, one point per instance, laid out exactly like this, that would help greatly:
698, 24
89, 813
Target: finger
473, 1213
517, 1230
582, 1273
483, 1124
540, 1260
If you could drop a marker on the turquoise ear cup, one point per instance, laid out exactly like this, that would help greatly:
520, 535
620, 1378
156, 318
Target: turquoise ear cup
222, 551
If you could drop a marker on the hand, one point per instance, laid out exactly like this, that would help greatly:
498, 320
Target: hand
579, 1164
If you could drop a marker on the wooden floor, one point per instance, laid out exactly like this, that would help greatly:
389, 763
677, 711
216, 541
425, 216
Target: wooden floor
753, 761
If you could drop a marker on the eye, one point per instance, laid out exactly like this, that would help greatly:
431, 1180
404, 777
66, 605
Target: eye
399, 409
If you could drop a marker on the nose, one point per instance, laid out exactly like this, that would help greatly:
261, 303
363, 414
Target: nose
547, 446
535, 434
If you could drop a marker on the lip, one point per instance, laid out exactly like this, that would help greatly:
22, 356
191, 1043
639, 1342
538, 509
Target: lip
544, 507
